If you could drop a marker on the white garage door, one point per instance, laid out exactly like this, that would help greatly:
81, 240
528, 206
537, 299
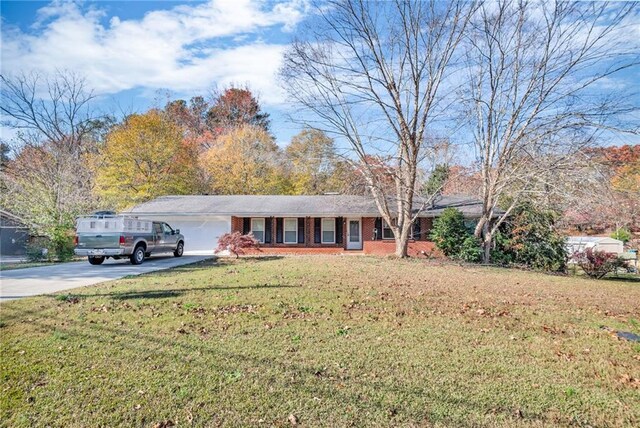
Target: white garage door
200, 233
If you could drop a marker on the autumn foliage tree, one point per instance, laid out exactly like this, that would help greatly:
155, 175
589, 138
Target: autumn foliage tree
143, 158
234, 108
191, 117
245, 161
211, 127
314, 166
605, 195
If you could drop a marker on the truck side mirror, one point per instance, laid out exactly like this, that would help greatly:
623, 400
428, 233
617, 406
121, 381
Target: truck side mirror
177, 231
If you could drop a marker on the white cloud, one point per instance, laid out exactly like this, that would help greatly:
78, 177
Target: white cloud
188, 48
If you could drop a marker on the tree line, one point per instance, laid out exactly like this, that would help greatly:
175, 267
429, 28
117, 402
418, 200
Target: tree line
522, 80
67, 160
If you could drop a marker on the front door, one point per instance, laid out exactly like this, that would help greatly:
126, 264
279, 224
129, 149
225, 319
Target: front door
354, 234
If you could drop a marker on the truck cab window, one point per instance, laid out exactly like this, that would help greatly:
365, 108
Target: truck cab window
167, 229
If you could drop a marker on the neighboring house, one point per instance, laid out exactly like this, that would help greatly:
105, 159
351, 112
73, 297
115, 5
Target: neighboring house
14, 234
600, 243
295, 224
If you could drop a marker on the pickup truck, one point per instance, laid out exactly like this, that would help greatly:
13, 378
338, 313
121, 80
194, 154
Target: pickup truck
102, 236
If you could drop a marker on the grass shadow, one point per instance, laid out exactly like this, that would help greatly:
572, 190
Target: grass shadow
622, 279
159, 294
260, 258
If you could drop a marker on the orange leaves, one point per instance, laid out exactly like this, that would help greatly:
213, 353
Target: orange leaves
143, 158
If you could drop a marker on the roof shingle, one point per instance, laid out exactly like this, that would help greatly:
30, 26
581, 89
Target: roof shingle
294, 206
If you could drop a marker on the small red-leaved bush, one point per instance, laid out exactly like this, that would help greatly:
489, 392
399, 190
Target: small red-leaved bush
236, 243
597, 264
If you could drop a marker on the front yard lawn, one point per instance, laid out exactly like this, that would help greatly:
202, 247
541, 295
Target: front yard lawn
324, 341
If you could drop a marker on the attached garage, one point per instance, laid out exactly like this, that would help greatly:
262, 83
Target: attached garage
201, 233
195, 216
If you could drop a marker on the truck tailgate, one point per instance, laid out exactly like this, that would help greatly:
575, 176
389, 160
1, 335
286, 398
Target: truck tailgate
99, 240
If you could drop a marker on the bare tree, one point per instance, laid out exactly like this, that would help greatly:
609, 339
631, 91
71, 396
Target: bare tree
54, 109
49, 180
535, 96
371, 74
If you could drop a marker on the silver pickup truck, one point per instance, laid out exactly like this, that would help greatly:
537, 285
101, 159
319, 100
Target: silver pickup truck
101, 236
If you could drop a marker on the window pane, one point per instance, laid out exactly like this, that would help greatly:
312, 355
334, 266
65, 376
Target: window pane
328, 224
259, 236
290, 237
354, 231
290, 230
257, 225
328, 230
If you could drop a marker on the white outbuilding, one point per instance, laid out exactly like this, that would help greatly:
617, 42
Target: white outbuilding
599, 243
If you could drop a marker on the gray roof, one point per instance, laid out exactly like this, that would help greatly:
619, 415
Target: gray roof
294, 206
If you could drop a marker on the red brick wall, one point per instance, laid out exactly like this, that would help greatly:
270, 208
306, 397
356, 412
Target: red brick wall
290, 249
368, 224
388, 247
236, 226
417, 248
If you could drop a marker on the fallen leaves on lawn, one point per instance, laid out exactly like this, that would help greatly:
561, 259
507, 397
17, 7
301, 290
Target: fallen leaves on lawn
234, 309
567, 356
164, 424
552, 330
628, 380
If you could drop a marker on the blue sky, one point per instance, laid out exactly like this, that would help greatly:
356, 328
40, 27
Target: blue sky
134, 53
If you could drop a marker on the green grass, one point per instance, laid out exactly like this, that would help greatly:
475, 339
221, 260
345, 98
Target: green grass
331, 340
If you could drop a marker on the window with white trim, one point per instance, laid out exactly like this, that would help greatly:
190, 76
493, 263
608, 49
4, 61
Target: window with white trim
257, 228
290, 230
328, 230
387, 232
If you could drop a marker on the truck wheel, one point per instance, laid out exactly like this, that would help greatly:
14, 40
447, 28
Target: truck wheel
179, 249
96, 260
138, 255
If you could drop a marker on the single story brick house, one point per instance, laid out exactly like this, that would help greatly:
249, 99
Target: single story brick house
295, 224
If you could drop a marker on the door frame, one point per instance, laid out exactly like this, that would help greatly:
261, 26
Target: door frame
354, 245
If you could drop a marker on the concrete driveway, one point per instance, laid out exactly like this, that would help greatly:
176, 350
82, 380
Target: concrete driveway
18, 283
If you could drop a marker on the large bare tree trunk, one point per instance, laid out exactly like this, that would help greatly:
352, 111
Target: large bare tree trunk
532, 97
370, 74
